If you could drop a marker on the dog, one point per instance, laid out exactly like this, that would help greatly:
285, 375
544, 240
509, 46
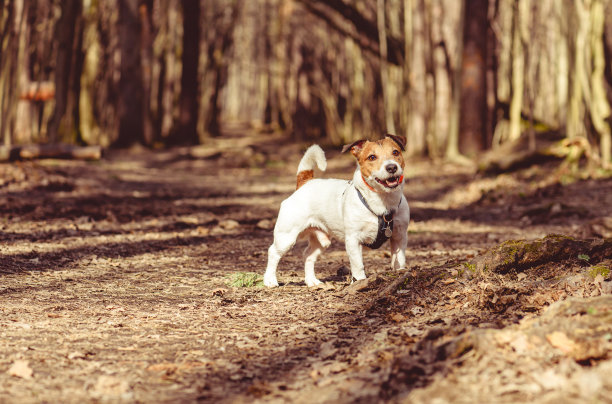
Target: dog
365, 211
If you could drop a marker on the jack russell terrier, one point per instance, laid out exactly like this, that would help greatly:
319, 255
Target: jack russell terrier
366, 211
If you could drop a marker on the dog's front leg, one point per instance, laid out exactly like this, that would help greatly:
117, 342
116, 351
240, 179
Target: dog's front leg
355, 254
399, 242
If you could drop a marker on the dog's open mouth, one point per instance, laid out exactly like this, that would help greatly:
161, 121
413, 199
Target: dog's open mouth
390, 182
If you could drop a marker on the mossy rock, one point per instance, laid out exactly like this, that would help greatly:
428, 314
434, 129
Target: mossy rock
520, 255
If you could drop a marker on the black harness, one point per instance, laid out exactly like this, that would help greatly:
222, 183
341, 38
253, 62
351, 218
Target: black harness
385, 224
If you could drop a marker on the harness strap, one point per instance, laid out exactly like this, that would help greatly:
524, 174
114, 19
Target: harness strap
385, 224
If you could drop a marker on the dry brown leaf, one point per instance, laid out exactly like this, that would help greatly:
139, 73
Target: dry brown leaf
21, 368
561, 341
163, 367
397, 317
111, 386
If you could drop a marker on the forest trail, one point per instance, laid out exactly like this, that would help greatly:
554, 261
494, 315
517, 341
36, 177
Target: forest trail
115, 286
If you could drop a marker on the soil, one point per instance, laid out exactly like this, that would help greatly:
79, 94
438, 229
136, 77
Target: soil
116, 285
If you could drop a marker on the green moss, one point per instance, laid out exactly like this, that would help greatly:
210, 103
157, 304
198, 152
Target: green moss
510, 249
602, 270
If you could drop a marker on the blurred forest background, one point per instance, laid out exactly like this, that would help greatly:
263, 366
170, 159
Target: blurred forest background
455, 77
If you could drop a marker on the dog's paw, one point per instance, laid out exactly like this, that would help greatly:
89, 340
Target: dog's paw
312, 282
270, 282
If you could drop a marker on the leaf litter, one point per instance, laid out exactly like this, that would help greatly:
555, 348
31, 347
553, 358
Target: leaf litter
115, 287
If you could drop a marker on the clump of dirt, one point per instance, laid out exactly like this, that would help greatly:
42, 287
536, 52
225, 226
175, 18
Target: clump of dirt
137, 279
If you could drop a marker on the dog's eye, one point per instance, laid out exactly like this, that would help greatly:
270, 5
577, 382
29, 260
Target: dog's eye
396, 152
372, 157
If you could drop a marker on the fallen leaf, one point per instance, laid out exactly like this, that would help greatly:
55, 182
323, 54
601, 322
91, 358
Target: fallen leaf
598, 280
163, 367
560, 341
327, 350
520, 344
229, 224
551, 380
397, 317
417, 311
265, 224
111, 386
21, 368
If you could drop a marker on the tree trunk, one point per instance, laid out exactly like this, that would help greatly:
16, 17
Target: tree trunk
452, 144
600, 108
577, 73
7, 61
131, 91
384, 68
517, 72
67, 72
186, 131
145, 12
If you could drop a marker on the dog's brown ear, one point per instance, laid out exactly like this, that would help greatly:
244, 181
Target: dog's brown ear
354, 147
400, 140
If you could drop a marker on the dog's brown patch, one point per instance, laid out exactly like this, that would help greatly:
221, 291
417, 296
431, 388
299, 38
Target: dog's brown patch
381, 150
303, 177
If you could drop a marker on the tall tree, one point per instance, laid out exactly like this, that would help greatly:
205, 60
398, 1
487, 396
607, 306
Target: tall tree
68, 68
473, 99
384, 68
186, 130
131, 90
218, 62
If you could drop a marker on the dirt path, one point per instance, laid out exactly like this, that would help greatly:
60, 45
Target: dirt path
115, 287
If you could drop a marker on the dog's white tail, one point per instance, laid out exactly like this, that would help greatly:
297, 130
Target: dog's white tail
314, 156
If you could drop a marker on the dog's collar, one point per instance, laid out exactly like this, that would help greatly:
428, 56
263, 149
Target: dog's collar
401, 179
385, 223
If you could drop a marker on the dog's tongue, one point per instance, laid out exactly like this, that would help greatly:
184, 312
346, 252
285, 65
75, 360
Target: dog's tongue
391, 182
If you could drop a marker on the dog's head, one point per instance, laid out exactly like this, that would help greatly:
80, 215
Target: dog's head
381, 161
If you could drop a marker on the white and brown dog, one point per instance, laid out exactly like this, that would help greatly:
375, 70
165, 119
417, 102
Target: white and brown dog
365, 211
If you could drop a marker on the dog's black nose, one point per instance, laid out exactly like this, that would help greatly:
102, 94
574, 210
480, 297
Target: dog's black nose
391, 168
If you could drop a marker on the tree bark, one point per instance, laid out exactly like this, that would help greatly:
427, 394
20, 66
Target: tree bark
600, 108
384, 68
145, 13
186, 131
7, 45
517, 79
452, 144
131, 91
67, 72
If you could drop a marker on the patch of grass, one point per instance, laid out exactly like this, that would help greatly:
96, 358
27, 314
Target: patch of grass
245, 280
602, 270
470, 267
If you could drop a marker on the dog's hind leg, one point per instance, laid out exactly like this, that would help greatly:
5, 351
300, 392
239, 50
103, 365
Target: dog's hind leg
317, 241
282, 243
